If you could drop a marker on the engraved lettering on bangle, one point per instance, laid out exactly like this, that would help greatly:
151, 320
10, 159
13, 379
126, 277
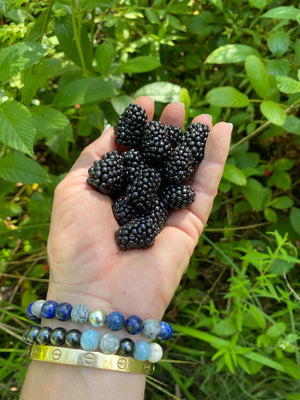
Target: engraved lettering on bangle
56, 354
122, 363
89, 358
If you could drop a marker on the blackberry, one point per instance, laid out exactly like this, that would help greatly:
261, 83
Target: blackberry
130, 126
175, 135
159, 214
155, 142
107, 175
139, 233
178, 196
195, 138
123, 210
133, 161
143, 190
179, 166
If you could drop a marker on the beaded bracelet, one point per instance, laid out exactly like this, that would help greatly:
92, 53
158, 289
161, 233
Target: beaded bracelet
90, 340
63, 355
151, 328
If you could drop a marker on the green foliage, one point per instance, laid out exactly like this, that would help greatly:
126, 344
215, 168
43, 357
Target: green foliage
66, 70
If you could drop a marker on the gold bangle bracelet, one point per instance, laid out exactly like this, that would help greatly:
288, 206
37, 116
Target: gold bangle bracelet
94, 359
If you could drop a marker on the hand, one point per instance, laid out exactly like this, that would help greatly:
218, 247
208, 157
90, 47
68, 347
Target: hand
87, 266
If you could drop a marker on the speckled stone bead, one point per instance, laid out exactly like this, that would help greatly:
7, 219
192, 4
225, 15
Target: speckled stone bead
115, 321
97, 318
156, 353
63, 311
90, 340
48, 309
32, 334
43, 337
72, 338
151, 328
80, 314
142, 351
133, 324
126, 347
36, 308
58, 336
165, 332
109, 343
31, 316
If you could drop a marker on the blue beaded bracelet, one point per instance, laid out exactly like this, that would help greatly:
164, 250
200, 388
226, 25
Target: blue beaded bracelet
150, 328
90, 340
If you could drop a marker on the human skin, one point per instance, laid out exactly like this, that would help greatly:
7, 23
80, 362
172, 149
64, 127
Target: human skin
87, 266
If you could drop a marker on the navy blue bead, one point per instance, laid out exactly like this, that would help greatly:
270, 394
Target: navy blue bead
73, 338
115, 321
32, 334
133, 324
43, 337
48, 309
25, 335
165, 332
126, 348
31, 316
63, 311
58, 336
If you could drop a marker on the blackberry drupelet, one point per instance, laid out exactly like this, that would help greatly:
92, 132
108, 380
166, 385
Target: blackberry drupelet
155, 142
178, 196
179, 166
133, 161
123, 210
143, 190
159, 214
195, 138
139, 233
130, 126
175, 135
107, 175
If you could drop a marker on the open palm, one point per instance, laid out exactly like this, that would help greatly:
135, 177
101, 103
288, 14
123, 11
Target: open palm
85, 261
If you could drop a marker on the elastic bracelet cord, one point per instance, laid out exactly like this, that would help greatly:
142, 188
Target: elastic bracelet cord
90, 340
63, 355
115, 321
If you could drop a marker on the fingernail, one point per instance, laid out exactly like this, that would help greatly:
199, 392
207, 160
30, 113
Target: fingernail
231, 125
179, 102
106, 128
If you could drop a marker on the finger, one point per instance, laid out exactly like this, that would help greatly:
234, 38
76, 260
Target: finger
173, 114
148, 104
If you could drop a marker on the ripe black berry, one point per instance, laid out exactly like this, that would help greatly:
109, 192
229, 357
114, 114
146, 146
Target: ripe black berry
123, 210
179, 166
133, 161
195, 138
175, 135
178, 196
130, 126
156, 143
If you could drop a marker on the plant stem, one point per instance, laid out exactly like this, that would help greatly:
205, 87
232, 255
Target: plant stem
51, 2
78, 39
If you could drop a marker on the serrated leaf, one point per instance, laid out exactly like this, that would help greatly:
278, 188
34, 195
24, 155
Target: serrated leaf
278, 43
104, 56
287, 85
295, 219
227, 96
19, 56
283, 12
230, 53
18, 168
280, 267
234, 175
257, 75
83, 91
139, 64
164, 92
16, 127
273, 112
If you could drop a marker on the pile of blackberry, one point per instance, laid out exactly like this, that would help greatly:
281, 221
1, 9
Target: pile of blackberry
150, 176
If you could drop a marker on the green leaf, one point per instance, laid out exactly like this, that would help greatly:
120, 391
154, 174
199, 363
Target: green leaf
139, 64
54, 127
287, 85
276, 329
258, 3
19, 56
282, 203
225, 327
278, 43
16, 127
278, 67
280, 179
18, 168
83, 91
104, 56
257, 75
273, 112
280, 267
164, 92
230, 53
292, 124
270, 214
291, 368
234, 175
295, 219
227, 96
251, 190
283, 12
283, 164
